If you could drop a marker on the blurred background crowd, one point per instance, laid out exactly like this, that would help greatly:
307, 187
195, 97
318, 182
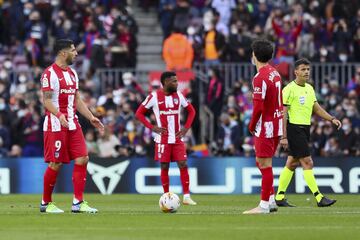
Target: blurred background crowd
211, 32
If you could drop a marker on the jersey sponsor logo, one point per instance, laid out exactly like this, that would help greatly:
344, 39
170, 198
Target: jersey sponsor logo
113, 173
45, 81
277, 113
302, 100
161, 102
176, 101
169, 112
257, 90
68, 91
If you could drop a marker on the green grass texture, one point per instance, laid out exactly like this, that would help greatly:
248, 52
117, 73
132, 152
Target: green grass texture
132, 216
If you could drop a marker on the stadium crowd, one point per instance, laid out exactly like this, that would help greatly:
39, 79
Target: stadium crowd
222, 30
218, 31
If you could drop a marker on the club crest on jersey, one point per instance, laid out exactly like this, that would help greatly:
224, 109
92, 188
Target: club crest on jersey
302, 100
176, 101
45, 81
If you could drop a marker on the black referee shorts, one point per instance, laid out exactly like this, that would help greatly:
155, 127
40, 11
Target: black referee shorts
298, 137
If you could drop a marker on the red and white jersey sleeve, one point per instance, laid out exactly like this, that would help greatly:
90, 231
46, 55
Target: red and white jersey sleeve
267, 88
64, 84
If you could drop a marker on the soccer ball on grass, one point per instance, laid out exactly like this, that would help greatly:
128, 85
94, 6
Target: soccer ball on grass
169, 202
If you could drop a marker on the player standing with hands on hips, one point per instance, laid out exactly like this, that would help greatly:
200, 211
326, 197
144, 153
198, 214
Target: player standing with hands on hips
299, 104
63, 137
266, 120
166, 104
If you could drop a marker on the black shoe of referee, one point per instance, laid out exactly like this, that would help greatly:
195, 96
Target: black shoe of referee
326, 202
284, 203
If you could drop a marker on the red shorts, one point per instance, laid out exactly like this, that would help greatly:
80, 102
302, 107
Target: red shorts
266, 147
64, 146
170, 152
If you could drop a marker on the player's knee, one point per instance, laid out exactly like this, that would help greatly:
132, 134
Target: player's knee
55, 165
82, 160
164, 166
182, 164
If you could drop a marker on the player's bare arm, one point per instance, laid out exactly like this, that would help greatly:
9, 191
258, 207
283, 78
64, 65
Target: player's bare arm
283, 139
47, 100
318, 110
84, 110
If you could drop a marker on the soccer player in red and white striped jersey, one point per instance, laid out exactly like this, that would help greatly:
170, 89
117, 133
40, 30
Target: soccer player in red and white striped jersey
266, 121
63, 137
166, 103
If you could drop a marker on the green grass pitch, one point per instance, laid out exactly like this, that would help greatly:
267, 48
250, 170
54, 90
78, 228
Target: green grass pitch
124, 216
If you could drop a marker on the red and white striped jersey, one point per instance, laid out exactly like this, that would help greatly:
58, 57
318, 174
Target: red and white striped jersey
267, 88
64, 84
167, 109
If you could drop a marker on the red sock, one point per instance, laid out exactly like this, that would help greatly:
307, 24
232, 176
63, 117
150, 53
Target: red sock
49, 184
79, 180
272, 191
165, 179
184, 176
266, 183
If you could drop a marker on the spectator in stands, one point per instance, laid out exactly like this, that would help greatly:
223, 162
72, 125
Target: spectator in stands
36, 39
354, 83
228, 136
287, 35
331, 148
107, 144
91, 145
215, 93
181, 15
63, 28
89, 37
177, 52
239, 44
342, 40
166, 12
16, 151
214, 46
356, 44
123, 48
31, 124
224, 7
348, 138
4, 135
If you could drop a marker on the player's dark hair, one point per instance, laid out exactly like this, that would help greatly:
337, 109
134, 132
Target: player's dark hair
166, 75
301, 61
263, 50
62, 44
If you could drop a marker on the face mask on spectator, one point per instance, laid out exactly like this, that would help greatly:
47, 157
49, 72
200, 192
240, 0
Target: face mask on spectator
22, 78
234, 30
21, 113
343, 57
27, 11
350, 113
332, 101
244, 89
3, 74
323, 52
127, 82
190, 30
346, 127
130, 127
324, 91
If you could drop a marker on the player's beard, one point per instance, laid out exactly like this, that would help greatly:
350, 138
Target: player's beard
69, 60
171, 89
